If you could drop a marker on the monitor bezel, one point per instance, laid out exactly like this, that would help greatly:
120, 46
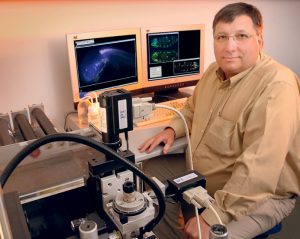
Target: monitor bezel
71, 38
176, 81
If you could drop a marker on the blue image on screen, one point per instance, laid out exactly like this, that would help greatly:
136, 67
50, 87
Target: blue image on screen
105, 63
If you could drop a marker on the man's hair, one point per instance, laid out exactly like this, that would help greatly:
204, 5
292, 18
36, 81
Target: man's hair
228, 13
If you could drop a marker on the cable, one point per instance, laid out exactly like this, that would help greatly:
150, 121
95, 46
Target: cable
127, 140
198, 219
216, 214
205, 200
196, 205
83, 108
198, 223
189, 159
199, 197
186, 132
84, 98
8, 170
93, 93
208, 204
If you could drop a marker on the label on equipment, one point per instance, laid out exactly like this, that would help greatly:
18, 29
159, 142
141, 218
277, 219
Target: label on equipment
85, 42
122, 106
185, 178
103, 125
155, 72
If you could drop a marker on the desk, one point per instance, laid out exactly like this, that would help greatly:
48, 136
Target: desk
141, 134
137, 137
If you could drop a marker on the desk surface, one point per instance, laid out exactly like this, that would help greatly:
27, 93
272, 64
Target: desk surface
137, 137
140, 135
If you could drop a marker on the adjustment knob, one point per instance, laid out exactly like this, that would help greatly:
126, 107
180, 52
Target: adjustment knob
128, 187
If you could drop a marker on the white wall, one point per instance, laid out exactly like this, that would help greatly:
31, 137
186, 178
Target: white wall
33, 55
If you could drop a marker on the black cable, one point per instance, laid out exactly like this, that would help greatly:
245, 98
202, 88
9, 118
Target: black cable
8, 170
127, 140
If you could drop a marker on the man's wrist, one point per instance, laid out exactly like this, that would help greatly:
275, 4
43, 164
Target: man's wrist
170, 128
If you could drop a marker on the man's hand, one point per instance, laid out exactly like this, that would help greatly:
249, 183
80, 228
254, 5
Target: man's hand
167, 137
191, 230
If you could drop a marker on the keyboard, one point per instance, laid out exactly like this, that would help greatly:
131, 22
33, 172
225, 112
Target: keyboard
160, 114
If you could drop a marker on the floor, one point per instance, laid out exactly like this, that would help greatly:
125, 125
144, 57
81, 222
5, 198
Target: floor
290, 226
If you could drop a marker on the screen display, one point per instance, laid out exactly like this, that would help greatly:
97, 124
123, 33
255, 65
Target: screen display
173, 54
105, 62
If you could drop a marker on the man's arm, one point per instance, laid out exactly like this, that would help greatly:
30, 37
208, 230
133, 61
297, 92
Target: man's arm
266, 144
265, 217
176, 129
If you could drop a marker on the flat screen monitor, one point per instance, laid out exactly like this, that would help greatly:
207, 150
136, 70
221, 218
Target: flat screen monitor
104, 60
172, 57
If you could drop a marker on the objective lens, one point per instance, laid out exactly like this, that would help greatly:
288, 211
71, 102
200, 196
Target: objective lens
218, 231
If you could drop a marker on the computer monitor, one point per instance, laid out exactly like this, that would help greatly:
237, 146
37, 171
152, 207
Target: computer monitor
172, 57
104, 60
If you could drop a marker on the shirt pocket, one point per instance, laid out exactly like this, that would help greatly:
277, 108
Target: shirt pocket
220, 137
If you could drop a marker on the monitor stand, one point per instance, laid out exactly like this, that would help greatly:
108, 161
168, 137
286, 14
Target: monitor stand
171, 94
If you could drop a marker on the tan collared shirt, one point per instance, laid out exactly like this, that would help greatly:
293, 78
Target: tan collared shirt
245, 136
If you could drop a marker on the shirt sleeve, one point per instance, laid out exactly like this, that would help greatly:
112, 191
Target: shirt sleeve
269, 133
188, 110
188, 113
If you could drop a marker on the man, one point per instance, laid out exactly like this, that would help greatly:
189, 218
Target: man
244, 118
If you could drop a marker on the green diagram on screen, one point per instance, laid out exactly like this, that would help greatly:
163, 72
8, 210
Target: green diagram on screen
163, 48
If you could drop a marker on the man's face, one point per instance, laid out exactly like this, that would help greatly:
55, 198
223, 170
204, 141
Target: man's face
241, 50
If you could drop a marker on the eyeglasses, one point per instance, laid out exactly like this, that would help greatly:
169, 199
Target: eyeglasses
239, 37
